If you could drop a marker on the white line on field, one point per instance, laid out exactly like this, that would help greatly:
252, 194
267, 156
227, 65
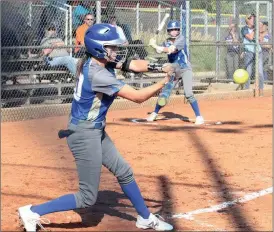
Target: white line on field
215, 208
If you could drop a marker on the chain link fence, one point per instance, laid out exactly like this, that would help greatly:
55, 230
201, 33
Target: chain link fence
34, 82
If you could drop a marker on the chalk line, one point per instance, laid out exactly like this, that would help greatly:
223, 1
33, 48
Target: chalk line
215, 208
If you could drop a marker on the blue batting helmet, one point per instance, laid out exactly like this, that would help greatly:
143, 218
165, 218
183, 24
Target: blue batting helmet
100, 35
173, 24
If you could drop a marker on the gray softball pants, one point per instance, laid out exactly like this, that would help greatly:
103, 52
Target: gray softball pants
187, 77
91, 149
232, 63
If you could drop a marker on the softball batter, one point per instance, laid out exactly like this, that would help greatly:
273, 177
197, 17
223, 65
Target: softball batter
175, 47
90, 145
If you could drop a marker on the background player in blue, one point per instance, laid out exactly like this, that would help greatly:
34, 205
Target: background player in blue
90, 145
175, 47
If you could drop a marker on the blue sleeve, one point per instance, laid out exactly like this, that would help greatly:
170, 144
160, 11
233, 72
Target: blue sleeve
245, 32
105, 82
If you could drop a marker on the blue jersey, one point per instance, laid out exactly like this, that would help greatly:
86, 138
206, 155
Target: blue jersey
94, 93
181, 56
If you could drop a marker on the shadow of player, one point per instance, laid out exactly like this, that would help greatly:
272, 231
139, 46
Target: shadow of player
171, 115
108, 203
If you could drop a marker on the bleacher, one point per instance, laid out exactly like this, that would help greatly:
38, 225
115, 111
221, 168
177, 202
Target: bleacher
30, 81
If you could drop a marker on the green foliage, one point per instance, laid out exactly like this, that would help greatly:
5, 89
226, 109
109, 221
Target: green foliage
203, 58
226, 6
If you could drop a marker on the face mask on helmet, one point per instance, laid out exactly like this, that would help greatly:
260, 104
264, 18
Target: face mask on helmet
103, 41
115, 54
173, 33
173, 29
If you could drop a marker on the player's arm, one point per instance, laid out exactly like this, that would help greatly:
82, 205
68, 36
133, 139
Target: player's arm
111, 86
144, 66
160, 49
144, 94
139, 66
175, 47
139, 96
247, 35
46, 51
80, 36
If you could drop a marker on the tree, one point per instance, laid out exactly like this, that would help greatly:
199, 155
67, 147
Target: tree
210, 5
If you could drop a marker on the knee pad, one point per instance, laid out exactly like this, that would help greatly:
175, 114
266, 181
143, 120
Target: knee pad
191, 98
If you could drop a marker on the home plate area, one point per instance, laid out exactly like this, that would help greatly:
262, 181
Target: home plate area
167, 118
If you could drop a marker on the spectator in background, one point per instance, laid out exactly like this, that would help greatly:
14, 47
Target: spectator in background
248, 35
80, 12
80, 32
57, 56
233, 51
113, 21
266, 49
48, 17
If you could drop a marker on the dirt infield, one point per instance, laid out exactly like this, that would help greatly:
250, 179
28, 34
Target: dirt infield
181, 168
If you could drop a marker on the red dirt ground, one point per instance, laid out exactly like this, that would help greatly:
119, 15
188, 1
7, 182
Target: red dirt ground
179, 168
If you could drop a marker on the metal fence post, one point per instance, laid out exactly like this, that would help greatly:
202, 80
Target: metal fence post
30, 14
188, 25
218, 24
98, 11
270, 15
69, 24
70, 28
206, 22
257, 51
181, 17
159, 14
234, 9
66, 28
137, 18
